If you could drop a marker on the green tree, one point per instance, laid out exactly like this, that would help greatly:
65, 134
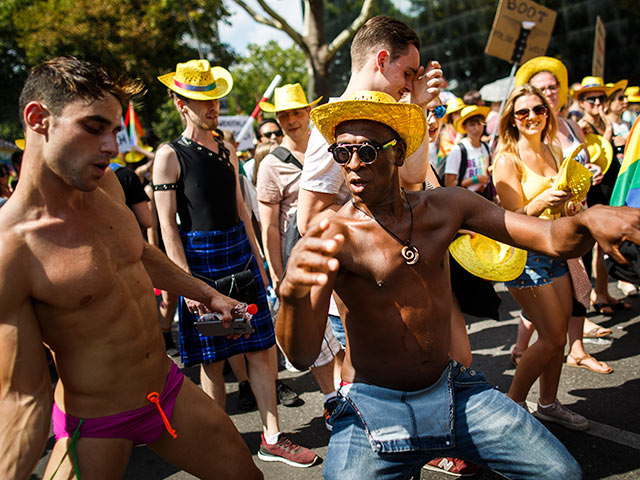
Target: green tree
253, 73
142, 38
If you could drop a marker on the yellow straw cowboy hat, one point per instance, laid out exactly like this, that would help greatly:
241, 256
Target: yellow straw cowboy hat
633, 94
619, 85
468, 112
198, 80
487, 258
591, 84
406, 119
454, 104
20, 143
574, 178
288, 97
545, 64
600, 151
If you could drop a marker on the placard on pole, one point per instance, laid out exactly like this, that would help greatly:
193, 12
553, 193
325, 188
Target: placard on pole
506, 28
597, 65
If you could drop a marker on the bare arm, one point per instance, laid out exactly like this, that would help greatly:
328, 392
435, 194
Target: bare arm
314, 207
142, 213
166, 169
270, 223
305, 293
25, 387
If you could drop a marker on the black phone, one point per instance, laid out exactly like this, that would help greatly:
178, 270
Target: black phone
214, 328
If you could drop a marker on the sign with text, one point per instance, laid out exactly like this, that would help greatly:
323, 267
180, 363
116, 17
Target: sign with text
507, 24
234, 123
597, 65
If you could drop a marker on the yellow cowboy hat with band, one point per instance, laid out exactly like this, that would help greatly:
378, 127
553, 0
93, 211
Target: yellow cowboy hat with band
545, 64
619, 85
466, 113
487, 258
591, 84
198, 80
406, 119
288, 97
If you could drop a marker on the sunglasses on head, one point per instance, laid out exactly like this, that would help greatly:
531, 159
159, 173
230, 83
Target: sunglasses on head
540, 110
592, 100
274, 133
440, 111
367, 152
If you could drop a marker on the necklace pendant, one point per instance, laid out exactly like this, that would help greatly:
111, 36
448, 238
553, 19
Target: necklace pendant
410, 254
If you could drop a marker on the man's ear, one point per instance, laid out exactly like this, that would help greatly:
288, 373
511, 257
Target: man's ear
179, 104
400, 151
37, 117
382, 59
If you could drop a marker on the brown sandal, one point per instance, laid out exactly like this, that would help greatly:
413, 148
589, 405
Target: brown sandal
579, 363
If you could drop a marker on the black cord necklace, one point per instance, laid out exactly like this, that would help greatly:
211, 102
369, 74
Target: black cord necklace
409, 252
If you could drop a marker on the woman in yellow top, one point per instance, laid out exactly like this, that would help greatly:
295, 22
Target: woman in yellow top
525, 168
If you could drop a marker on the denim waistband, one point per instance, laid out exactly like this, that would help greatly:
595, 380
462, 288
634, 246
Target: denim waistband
398, 421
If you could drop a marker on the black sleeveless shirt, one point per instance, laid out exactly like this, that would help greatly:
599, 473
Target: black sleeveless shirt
206, 193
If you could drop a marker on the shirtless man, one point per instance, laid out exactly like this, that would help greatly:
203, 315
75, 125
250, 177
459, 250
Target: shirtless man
403, 401
76, 274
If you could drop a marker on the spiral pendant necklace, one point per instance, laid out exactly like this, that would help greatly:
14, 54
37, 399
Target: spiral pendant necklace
409, 252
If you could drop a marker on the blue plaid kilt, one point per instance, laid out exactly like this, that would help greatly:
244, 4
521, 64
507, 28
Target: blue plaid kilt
216, 254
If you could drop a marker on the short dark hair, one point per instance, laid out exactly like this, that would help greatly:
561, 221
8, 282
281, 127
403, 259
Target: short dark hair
62, 80
472, 97
263, 123
382, 31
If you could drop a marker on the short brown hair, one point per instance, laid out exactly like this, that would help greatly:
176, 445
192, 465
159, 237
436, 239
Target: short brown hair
62, 80
382, 31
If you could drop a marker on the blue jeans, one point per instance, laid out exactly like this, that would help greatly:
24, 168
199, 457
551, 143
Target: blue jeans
539, 270
486, 428
338, 330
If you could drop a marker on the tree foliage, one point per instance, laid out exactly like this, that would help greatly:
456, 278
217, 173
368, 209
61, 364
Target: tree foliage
142, 38
253, 73
318, 51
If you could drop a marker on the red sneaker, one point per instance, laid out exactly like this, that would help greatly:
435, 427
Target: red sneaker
286, 451
452, 466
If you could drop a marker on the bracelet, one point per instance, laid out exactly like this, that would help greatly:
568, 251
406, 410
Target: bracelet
474, 180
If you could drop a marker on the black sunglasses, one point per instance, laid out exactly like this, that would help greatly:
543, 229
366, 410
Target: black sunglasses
540, 110
620, 98
274, 133
367, 152
440, 111
592, 100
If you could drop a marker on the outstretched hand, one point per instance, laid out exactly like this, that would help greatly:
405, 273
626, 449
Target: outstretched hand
426, 86
611, 226
311, 260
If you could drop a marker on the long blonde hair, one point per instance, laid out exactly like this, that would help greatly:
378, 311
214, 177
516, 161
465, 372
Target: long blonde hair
262, 150
508, 132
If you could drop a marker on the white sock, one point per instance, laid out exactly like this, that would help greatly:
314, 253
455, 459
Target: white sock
330, 396
544, 406
271, 439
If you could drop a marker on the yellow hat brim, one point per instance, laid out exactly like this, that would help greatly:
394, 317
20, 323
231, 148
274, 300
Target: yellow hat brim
271, 108
487, 258
406, 119
458, 123
603, 148
20, 143
222, 77
545, 64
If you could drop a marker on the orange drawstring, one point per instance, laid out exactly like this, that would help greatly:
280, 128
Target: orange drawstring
153, 397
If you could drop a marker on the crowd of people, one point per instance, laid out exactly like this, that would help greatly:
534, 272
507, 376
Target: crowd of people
349, 200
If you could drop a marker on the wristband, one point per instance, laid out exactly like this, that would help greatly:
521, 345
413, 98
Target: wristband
474, 180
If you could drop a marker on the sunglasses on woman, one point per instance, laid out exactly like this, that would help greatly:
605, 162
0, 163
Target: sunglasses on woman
539, 110
367, 152
592, 100
440, 111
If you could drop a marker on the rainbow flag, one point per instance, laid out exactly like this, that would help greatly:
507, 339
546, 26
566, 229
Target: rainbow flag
627, 188
133, 124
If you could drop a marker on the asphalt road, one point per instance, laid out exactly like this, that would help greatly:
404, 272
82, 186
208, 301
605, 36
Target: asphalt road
610, 449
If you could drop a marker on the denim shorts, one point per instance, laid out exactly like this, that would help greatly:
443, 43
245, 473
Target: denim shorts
539, 270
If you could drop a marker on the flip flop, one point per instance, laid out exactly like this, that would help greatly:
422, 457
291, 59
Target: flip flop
603, 309
597, 332
579, 364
